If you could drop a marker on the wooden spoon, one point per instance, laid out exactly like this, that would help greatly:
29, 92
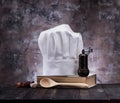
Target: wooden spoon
47, 83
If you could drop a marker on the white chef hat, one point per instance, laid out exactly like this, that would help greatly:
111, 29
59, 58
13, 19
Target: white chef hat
60, 48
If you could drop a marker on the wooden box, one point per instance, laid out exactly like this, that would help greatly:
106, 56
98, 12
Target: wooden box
90, 79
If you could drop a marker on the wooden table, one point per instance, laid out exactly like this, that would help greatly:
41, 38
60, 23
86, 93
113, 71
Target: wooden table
105, 93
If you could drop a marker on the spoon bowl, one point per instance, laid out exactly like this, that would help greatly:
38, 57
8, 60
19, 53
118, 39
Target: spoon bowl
47, 83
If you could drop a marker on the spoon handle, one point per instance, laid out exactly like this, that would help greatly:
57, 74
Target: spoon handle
81, 85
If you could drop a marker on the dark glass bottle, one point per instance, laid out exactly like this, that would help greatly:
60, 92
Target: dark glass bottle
83, 64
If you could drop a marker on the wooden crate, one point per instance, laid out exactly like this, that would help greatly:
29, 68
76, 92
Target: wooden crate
90, 79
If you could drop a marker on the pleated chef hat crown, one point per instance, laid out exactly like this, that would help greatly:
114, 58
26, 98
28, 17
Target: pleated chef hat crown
60, 48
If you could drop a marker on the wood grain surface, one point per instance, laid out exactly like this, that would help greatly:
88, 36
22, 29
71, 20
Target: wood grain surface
104, 93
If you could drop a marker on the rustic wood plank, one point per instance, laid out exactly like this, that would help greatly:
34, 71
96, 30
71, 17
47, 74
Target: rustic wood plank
98, 93
93, 95
35, 93
49, 94
12, 93
65, 93
40, 94
29, 94
84, 94
113, 91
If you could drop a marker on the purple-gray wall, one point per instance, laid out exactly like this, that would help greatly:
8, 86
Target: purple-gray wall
21, 22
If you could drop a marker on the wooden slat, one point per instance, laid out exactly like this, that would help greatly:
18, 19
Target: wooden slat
49, 94
64, 94
13, 93
109, 93
98, 93
35, 93
113, 90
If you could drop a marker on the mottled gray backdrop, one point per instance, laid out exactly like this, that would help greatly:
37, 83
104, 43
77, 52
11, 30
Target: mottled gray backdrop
21, 22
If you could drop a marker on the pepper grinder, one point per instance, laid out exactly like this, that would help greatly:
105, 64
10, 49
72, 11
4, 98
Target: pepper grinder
83, 70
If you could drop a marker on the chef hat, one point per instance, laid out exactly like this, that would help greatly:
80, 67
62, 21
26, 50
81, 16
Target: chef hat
60, 48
